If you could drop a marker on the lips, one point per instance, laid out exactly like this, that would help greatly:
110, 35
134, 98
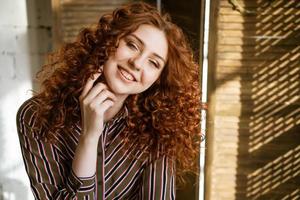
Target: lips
126, 74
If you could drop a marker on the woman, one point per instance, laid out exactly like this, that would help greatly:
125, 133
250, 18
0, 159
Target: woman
118, 114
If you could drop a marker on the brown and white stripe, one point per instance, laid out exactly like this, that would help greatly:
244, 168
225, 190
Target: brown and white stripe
122, 175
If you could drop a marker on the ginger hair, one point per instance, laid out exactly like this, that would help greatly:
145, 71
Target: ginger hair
165, 118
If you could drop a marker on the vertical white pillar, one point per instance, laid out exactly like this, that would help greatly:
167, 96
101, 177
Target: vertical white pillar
158, 5
204, 98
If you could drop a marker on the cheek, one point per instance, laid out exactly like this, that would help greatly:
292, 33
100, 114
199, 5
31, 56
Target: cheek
121, 53
150, 76
106, 65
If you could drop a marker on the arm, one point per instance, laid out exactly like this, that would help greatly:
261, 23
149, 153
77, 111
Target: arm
50, 174
159, 180
48, 169
95, 100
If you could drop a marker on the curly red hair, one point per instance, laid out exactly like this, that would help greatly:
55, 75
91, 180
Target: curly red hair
167, 115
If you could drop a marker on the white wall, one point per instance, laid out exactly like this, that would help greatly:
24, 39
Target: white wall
25, 37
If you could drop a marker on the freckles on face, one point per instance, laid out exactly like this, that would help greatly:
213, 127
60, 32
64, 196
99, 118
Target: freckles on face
138, 61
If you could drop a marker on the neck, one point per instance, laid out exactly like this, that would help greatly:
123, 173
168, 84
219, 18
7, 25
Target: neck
112, 111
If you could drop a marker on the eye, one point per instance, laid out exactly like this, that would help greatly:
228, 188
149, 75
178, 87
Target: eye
132, 45
154, 63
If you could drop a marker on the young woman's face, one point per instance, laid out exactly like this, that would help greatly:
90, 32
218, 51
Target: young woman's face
137, 62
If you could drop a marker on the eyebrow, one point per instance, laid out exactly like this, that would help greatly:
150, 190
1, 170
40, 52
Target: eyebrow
143, 43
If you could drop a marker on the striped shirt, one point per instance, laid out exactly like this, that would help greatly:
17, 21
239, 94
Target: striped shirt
118, 176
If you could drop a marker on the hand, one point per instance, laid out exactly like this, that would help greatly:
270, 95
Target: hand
94, 101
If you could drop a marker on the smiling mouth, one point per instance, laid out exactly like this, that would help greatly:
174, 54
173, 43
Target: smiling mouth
128, 76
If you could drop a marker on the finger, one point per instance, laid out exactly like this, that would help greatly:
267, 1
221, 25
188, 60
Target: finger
103, 96
94, 91
109, 94
106, 105
89, 84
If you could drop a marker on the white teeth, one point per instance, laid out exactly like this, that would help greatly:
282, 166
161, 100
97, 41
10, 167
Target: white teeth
127, 75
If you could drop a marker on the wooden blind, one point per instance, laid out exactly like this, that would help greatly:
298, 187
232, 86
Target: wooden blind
254, 129
72, 15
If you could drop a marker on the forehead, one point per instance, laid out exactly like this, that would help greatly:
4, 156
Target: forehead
154, 40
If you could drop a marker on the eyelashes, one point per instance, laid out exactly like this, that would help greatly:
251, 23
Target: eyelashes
154, 63
132, 45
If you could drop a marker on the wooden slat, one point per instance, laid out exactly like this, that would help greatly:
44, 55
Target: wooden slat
73, 15
261, 12
263, 4
256, 96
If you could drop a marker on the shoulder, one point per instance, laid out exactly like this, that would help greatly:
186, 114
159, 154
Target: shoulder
26, 115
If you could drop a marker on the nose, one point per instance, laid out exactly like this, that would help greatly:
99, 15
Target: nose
136, 62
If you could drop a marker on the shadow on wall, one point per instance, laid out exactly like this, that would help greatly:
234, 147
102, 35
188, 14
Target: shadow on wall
10, 188
14, 189
29, 44
269, 140
39, 14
